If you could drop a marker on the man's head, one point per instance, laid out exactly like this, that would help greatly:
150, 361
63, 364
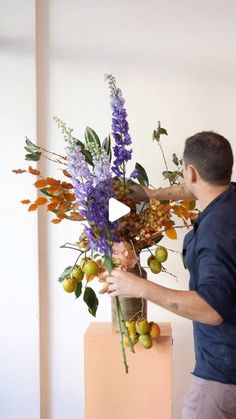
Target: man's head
209, 156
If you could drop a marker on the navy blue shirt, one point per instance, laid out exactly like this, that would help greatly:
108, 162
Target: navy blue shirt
210, 254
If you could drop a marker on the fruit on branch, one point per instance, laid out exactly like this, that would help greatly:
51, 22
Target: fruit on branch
89, 267
77, 274
68, 284
146, 341
142, 327
161, 254
155, 266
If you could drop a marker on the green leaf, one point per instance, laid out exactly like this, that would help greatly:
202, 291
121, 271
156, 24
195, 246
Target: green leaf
159, 238
106, 144
33, 157
158, 132
91, 300
91, 137
33, 147
175, 159
65, 273
78, 289
170, 175
45, 192
108, 264
142, 175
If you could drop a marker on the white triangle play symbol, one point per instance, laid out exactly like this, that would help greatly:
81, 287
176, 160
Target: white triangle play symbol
117, 209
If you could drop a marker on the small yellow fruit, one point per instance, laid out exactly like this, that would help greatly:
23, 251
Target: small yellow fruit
77, 274
146, 341
142, 327
131, 326
133, 337
161, 254
155, 266
155, 330
69, 285
90, 267
151, 257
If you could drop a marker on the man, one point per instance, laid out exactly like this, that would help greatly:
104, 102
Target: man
210, 255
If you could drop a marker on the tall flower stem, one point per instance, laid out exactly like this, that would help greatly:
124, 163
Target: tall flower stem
121, 335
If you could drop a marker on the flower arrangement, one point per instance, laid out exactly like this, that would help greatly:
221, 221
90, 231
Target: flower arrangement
93, 172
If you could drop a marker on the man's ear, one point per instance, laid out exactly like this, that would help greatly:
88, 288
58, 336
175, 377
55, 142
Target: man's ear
193, 173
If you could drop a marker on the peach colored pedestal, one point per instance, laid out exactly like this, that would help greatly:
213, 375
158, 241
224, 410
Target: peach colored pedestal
110, 393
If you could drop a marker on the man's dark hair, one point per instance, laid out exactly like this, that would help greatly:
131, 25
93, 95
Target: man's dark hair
212, 156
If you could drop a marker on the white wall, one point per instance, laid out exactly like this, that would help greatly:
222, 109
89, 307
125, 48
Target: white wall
19, 337
175, 62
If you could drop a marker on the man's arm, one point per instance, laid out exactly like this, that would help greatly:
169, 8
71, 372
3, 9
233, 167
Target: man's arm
186, 304
139, 193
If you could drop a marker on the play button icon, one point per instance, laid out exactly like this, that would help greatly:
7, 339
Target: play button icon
116, 209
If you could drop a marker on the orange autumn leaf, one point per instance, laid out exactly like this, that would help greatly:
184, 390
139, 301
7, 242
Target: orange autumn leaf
184, 212
69, 197
56, 199
17, 171
52, 206
25, 201
41, 183
33, 171
56, 220
33, 207
53, 182
54, 190
177, 210
41, 200
67, 185
171, 233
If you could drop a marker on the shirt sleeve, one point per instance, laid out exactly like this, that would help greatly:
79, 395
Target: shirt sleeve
216, 269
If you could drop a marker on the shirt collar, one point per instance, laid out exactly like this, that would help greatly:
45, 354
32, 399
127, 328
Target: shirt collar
224, 196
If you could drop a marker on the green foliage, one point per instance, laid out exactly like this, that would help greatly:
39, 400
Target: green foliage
158, 132
33, 151
142, 175
91, 300
78, 289
65, 273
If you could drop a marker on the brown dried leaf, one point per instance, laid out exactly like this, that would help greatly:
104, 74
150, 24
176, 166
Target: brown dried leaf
69, 197
41, 183
53, 182
33, 207
19, 171
41, 200
66, 173
52, 206
33, 171
56, 220
55, 190
25, 201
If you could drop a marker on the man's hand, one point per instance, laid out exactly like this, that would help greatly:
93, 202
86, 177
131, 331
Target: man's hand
139, 193
124, 283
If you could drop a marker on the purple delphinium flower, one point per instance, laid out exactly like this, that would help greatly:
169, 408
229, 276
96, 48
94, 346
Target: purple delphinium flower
120, 130
93, 190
